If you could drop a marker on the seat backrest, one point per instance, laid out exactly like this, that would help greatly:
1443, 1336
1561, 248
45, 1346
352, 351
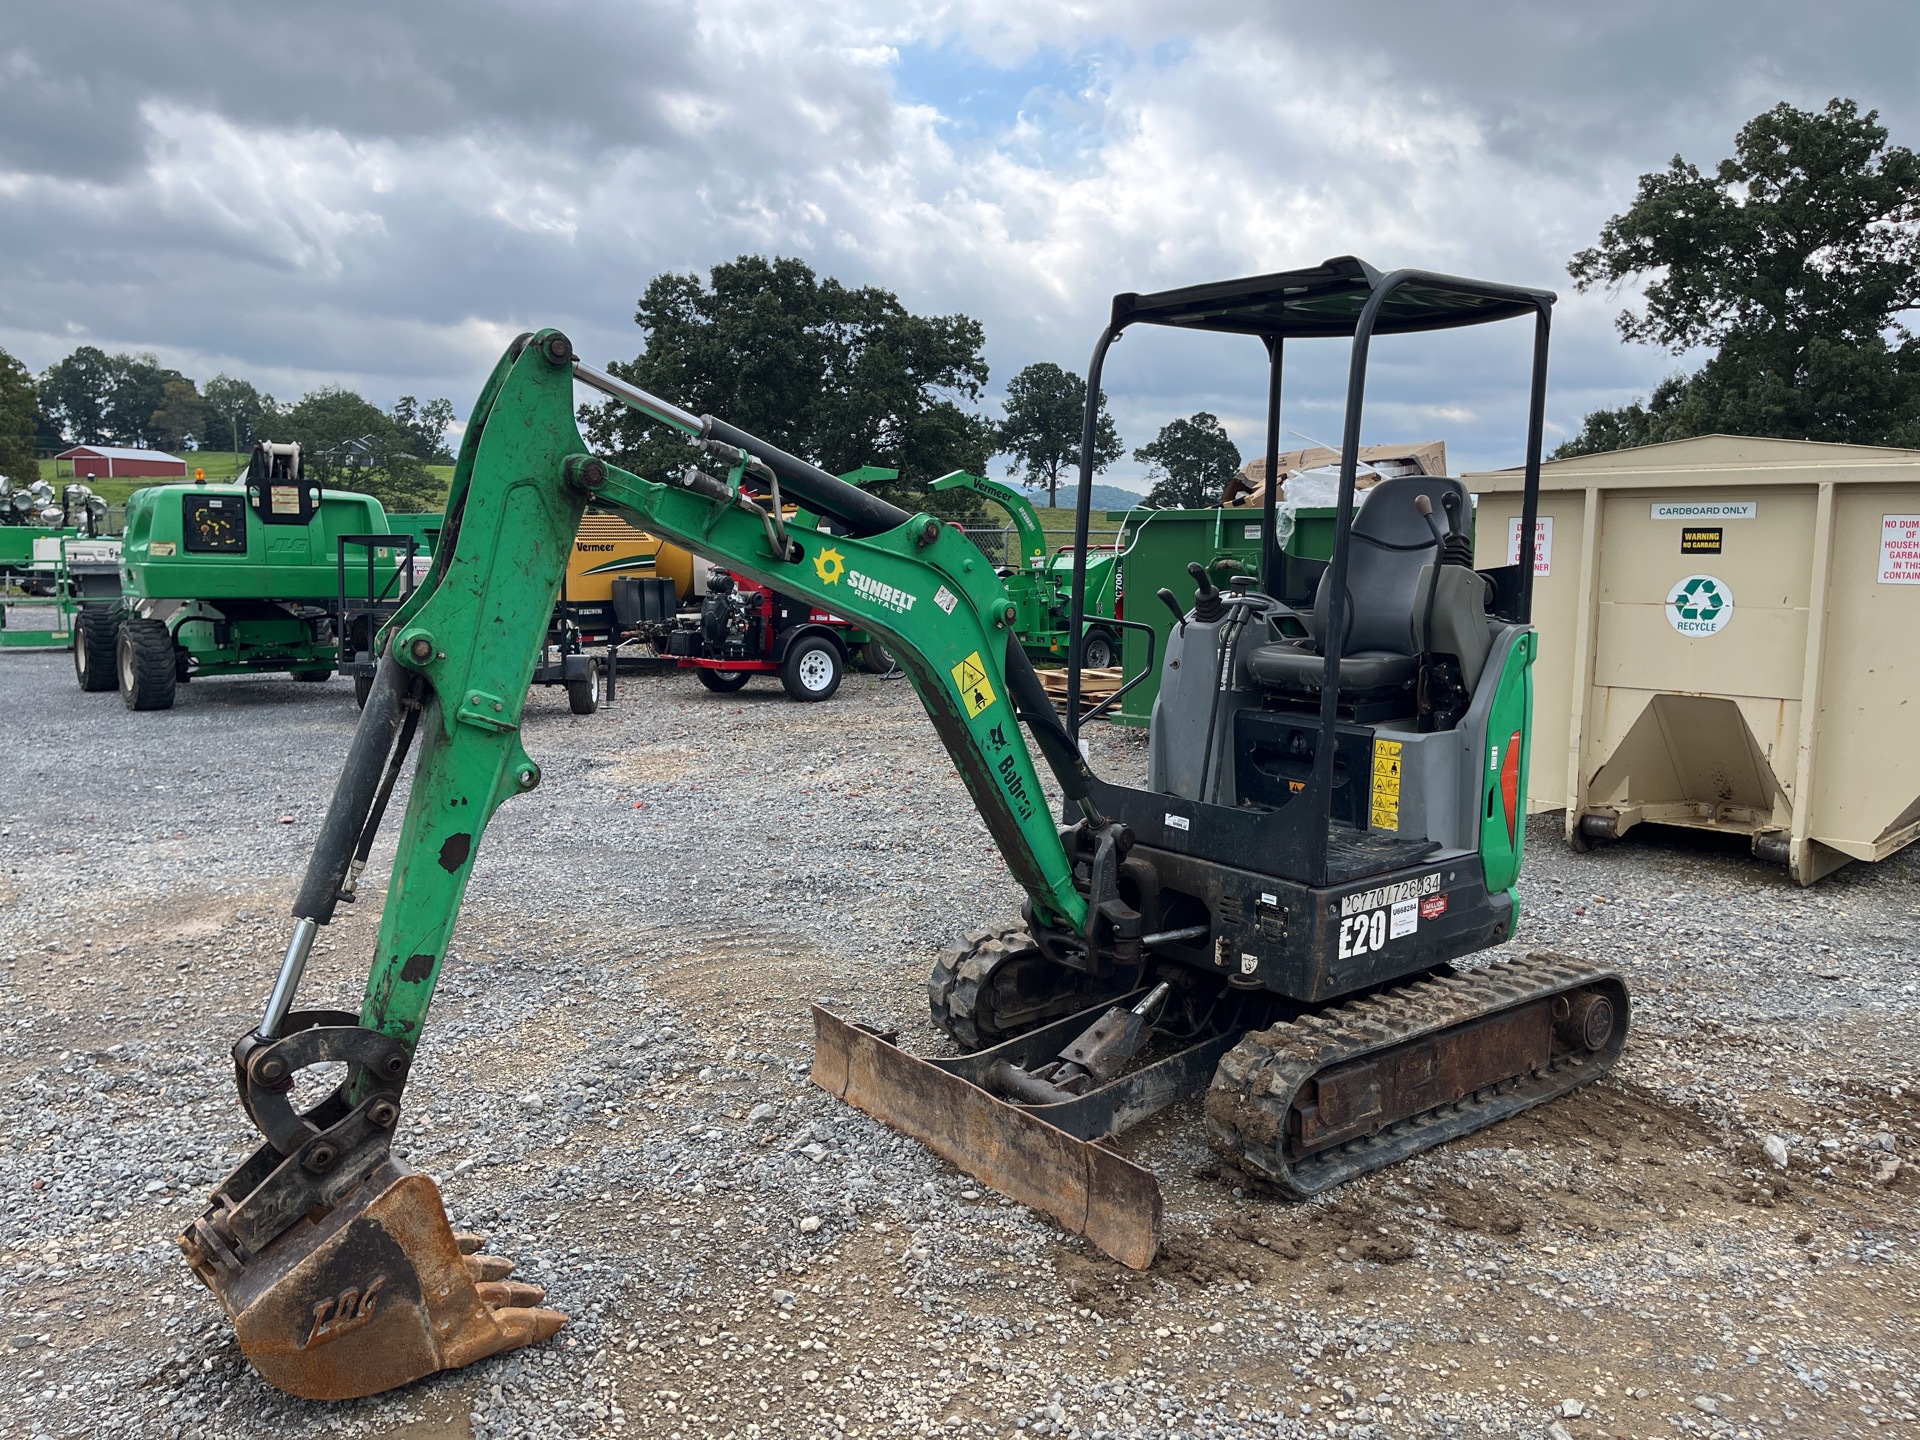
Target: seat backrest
1391, 542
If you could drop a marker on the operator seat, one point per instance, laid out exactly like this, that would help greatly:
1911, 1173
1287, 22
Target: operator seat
1380, 655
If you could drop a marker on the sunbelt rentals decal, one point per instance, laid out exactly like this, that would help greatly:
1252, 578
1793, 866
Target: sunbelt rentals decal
831, 566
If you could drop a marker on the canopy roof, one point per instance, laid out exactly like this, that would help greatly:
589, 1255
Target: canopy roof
1326, 300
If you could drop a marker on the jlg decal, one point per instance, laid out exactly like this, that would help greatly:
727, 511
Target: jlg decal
349, 1310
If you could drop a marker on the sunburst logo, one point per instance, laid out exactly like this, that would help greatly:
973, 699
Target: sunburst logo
830, 565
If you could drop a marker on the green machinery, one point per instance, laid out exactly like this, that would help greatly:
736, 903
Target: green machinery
1040, 584
237, 579
1269, 922
48, 571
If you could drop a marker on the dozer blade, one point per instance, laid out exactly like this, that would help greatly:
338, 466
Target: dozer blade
1089, 1189
378, 1292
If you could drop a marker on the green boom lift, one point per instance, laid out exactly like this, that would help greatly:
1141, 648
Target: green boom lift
238, 579
1269, 922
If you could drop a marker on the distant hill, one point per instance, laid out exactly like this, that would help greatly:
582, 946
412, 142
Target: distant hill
1105, 497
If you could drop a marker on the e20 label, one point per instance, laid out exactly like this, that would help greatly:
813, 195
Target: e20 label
1362, 934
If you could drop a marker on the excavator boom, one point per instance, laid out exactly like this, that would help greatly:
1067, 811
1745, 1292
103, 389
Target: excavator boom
338, 1265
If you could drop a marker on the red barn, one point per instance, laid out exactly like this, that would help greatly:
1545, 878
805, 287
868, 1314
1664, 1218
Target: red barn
113, 462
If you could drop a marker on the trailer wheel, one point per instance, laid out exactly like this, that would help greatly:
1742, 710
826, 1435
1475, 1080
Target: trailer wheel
143, 658
583, 696
812, 668
876, 657
362, 688
313, 677
1096, 651
723, 682
94, 636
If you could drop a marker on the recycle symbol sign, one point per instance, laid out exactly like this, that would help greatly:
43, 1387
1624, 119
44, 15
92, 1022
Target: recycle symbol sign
1700, 605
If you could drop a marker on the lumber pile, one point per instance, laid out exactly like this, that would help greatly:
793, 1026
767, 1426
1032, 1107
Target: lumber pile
1095, 686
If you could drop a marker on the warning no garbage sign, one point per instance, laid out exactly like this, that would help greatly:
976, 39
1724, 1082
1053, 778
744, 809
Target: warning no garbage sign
1900, 549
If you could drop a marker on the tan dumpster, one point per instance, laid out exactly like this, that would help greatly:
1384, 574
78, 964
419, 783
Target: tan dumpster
1729, 640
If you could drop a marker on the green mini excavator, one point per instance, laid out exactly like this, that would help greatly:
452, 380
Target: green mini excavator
1333, 815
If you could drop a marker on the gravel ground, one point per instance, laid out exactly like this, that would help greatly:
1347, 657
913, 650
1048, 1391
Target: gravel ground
1718, 1240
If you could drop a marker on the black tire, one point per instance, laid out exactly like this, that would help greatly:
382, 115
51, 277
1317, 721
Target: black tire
876, 657
812, 669
362, 687
143, 665
95, 635
583, 696
723, 682
1097, 651
313, 677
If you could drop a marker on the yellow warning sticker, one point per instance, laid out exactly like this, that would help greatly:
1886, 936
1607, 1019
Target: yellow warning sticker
970, 676
1386, 784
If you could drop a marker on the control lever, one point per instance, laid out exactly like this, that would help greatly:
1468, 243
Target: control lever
1425, 506
1167, 599
1207, 603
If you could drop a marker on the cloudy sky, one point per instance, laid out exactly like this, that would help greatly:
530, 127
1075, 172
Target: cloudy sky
381, 195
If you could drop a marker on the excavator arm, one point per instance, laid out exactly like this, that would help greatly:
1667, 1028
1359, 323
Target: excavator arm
337, 1264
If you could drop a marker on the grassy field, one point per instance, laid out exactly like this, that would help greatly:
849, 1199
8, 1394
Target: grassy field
219, 467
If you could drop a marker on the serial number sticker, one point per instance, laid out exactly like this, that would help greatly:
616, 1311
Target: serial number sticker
970, 678
160, 548
945, 599
1386, 784
1178, 822
1403, 918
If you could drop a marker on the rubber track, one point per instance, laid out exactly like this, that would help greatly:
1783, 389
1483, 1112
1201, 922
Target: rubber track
960, 989
1256, 1083
960, 973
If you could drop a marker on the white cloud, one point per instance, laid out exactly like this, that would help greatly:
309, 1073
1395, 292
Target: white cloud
382, 198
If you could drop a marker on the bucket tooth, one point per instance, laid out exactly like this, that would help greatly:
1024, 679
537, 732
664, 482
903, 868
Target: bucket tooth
377, 1292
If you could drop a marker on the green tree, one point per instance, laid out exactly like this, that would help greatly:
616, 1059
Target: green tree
237, 414
182, 415
1794, 260
75, 391
19, 412
349, 443
425, 427
840, 377
1190, 461
137, 396
101, 399
1046, 420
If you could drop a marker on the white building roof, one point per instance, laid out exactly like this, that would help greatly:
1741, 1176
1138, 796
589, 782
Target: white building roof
120, 452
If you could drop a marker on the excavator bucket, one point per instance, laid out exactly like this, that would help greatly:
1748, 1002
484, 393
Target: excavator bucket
377, 1292
1090, 1189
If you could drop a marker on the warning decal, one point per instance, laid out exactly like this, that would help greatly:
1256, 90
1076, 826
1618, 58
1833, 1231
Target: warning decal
1701, 539
970, 678
1542, 543
1900, 550
1386, 784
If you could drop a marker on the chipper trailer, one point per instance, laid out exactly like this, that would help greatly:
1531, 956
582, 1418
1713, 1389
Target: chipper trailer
1270, 921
